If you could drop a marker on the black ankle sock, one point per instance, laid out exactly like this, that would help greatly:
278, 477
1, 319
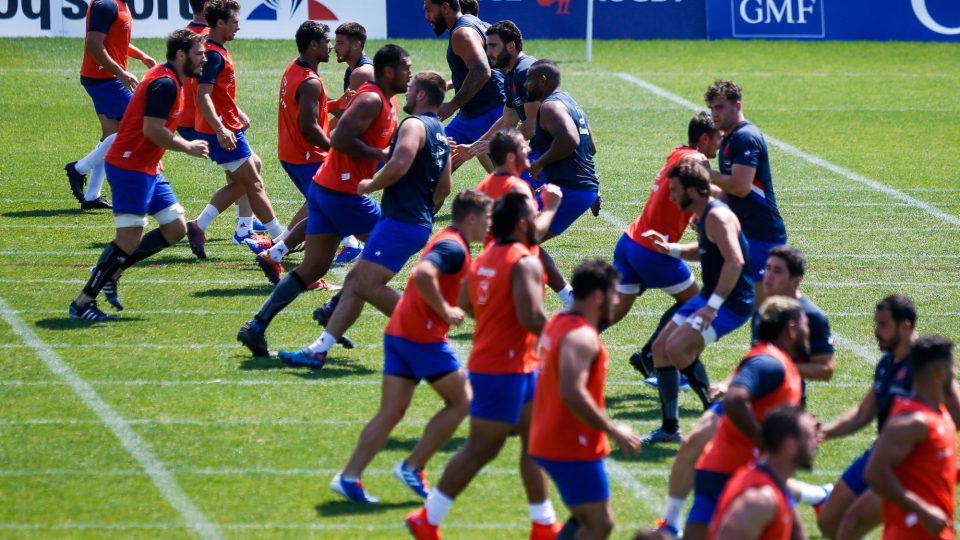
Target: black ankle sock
696, 375
111, 260
285, 292
569, 530
152, 243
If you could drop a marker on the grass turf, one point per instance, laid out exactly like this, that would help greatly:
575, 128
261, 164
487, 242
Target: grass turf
253, 444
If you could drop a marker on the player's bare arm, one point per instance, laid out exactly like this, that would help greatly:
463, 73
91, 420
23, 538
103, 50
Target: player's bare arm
308, 108
225, 137
93, 43
354, 122
444, 186
410, 140
819, 368
739, 182
468, 46
738, 406
749, 514
688, 252
137, 53
526, 282
463, 299
426, 278
723, 230
854, 419
550, 196
155, 130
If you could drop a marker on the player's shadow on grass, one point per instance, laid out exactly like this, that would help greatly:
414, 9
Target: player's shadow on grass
262, 290
43, 212
642, 407
346, 508
66, 323
406, 445
334, 369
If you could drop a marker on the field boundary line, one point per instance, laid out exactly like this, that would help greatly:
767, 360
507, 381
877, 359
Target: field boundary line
131, 441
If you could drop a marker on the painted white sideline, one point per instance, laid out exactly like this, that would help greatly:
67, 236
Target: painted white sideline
130, 440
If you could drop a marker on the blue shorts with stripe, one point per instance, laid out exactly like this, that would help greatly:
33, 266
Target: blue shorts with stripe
110, 98
579, 482
412, 360
642, 268
302, 175
335, 212
393, 242
501, 396
138, 193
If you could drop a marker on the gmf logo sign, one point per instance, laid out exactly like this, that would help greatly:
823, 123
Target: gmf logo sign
267, 11
778, 18
563, 6
923, 14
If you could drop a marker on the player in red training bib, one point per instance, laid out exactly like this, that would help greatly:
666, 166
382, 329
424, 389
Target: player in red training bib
756, 504
415, 348
136, 175
188, 114
104, 76
641, 265
765, 379
504, 294
913, 466
569, 428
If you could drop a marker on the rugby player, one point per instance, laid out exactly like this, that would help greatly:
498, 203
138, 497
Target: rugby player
104, 76
415, 181
335, 208
504, 293
135, 173
756, 504
221, 123
725, 301
913, 466
569, 425
416, 348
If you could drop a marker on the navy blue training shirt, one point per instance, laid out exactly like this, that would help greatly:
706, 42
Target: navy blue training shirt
491, 94
577, 170
513, 85
211, 68
161, 94
760, 374
411, 199
891, 379
363, 61
740, 299
448, 256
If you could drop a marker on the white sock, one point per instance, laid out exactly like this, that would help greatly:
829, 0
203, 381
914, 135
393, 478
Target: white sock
566, 296
323, 344
274, 228
674, 511
351, 479
207, 216
809, 493
95, 157
283, 236
437, 506
350, 242
95, 183
543, 513
278, 251
244, 225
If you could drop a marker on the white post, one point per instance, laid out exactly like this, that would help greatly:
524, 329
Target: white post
589, 30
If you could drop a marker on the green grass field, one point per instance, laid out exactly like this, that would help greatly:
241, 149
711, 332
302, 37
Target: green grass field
868, 188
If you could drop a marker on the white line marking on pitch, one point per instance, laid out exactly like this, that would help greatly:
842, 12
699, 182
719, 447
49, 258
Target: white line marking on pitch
129, 438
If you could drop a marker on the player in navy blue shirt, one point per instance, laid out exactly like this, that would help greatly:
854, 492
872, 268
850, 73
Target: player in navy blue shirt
415, 180
745, 176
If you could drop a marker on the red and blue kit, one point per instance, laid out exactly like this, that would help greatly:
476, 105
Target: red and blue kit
754, 477
113, 18
188, 116
300, 158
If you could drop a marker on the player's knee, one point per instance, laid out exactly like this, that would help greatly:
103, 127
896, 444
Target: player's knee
827, 521
174, 231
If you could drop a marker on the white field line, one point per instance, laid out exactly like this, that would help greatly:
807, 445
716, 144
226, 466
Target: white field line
810, 158
129, 438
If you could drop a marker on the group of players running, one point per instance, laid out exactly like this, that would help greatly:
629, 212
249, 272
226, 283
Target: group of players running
754, 433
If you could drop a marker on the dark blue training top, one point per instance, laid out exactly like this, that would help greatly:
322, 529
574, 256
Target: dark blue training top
102, 15
891, 379
740, 299
513, 85
448, 256
760, 374
758, 212
821, 339
212, 67
363, 61
161, 94
411, 199
491, 95
575, 171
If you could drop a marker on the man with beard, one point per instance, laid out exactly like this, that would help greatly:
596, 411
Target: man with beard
569, 427
504, 293
335, 208
479, 89
756, 504
913, 466
745, 177
766, 378
725, 301
416, 181
565, 144
135, 174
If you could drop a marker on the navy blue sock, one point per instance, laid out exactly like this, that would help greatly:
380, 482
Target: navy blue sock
285, 292
668, 384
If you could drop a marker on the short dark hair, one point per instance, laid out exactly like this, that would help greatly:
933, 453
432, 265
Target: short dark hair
701, 123
181, 40
219, 10
795, 260
592, 275
310, 31
779, 425
727, 89
503, 142
900, 307
930, 350
470, 201
470, 7
776, 313
433, 84
507, 213
691, 174
454, 4
353, 30
390, 55
508, 32
548, 67
196, 6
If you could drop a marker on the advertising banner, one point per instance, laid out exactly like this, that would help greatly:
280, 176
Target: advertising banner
277, 19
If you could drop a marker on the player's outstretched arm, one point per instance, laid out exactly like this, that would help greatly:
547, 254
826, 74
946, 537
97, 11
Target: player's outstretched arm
354, 122
444, 186
155, 130
467, 44
146, 59
410, 139
854, 419
739, 182
748, 515
308, 109
526, 281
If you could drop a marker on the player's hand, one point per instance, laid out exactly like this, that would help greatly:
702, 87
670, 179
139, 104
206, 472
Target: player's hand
343, 101
363, 188
931, 517
244, 121
550, 196
129, 81
703, 318
227, 139
459, 154
717, 391
198, 148
657, 239
535, 169
597, 205
480, 148
626, 439
694, 222
446, 110
453, 315
148, 61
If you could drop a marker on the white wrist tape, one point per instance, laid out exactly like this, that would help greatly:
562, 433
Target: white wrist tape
715, 301
673, 250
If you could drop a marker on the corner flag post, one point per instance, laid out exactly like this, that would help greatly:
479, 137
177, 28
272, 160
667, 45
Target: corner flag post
589, 30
